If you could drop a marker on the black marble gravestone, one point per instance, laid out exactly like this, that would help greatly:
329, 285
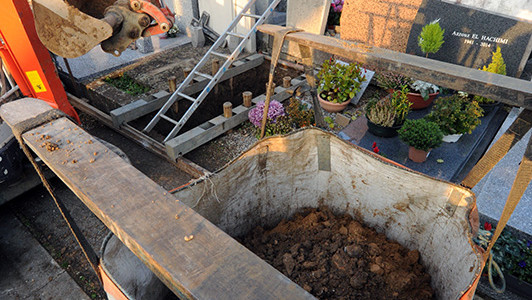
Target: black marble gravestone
472, 35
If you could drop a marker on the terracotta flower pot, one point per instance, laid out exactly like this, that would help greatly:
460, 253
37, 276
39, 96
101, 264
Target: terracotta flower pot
332, 107
417, 155
418, 102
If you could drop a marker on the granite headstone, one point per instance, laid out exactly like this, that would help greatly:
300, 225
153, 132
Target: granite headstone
472, 35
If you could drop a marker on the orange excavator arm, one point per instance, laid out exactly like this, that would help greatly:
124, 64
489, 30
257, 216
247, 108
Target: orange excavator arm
72, 28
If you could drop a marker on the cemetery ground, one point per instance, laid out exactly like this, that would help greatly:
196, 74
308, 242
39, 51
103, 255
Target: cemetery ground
38, 213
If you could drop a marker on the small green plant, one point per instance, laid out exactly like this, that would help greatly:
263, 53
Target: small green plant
421, 134
496, 66
455, 114
329, 121
400, 103
339, 83
127, 84
430, 39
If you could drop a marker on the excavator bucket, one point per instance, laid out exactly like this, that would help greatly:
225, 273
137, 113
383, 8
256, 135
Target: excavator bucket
71, 28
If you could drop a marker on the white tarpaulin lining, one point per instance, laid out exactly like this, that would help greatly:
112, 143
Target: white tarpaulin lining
280, 175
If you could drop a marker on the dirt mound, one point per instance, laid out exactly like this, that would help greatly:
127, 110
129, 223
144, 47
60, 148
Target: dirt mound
336, 257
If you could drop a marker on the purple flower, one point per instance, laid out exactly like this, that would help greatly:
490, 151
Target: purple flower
528, 244
522, 264
276, 110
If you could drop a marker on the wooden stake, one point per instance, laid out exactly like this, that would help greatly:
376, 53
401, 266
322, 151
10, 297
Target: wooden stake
186, 72
246, 96
287, 81
215, 66
228, 110
172, 81
273, 87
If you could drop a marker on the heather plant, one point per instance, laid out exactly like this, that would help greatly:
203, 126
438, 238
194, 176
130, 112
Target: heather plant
381, 112
389, 80
430, 39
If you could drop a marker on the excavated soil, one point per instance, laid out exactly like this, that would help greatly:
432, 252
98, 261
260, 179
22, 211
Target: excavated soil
336, 257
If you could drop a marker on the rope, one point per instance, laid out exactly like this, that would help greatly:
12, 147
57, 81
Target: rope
206, 178
483, 239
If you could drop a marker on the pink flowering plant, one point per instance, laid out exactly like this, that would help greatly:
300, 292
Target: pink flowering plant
275, 111
335, 12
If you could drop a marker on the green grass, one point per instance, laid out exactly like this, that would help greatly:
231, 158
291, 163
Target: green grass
127, 84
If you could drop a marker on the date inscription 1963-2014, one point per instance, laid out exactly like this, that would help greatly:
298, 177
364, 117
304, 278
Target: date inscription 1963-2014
481, 40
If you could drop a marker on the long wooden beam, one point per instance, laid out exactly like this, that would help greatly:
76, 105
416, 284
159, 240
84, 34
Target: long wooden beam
192, 256
511, 91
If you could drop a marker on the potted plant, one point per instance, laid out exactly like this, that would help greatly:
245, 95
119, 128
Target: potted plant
422, 136
424, 94
421, 93
338, 84
496, 66
387, 115
456, 116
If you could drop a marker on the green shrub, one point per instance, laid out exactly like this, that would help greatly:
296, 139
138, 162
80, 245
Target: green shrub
431, 37
496, 66
421, 134
339, 83
455, 114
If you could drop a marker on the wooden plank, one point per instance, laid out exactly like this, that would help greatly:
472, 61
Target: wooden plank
182, 144
134, 110
511, 91
138, 137
194, 258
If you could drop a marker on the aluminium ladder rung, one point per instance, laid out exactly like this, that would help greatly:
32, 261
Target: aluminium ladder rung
236, 34
167, 118
252, 16
186, 97
204, 75
219, 54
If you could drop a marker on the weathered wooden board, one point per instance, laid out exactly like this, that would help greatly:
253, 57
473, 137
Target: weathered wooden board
153, 224
195, 137
508, 90
142, 107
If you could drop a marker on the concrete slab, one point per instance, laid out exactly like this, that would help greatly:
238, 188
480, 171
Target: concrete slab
311, 16
96, 62
494, 188
28, 271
